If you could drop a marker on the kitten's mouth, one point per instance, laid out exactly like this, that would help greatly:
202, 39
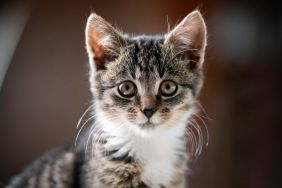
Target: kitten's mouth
148, 124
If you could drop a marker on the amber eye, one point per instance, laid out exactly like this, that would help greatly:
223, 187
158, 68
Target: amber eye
168, 88
127, 89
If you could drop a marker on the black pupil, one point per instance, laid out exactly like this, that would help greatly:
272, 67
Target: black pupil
127, 87
167, 86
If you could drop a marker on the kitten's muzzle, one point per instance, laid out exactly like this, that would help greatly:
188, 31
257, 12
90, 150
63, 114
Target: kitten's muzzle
148, 112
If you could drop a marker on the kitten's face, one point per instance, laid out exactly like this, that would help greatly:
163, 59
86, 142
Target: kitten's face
147, 82
147, 86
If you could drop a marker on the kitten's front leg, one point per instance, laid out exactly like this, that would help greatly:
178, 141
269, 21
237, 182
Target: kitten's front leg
112, 174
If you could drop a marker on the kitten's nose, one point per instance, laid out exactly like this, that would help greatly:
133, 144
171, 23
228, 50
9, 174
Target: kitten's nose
148, 112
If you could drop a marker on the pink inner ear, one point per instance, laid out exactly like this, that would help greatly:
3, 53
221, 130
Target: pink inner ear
98, 50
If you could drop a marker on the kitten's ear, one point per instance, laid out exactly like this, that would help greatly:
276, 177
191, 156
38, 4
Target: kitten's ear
103, 42
189, 38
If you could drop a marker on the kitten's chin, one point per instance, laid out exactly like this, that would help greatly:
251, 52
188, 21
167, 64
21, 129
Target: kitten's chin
149, 130
148, 125
146, 130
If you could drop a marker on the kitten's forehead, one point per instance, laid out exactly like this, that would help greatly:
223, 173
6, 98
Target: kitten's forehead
140, 60
148, 53
145, 56
148, 57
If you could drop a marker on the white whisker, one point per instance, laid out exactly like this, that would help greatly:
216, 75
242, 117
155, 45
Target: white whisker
200, 136
203, 110
84, 114
195, 141
206, 129
77, 136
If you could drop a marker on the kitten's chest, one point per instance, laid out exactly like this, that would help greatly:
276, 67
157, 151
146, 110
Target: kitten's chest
159, 155
159, 158
158, 173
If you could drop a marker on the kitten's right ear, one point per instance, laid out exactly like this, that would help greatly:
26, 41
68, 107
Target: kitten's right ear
103, 42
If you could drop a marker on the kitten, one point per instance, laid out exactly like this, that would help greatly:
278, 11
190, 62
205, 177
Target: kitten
144, 91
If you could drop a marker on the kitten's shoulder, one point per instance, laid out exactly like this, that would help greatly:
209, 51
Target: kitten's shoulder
53, 167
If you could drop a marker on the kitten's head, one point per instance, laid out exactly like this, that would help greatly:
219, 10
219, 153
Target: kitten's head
146, 82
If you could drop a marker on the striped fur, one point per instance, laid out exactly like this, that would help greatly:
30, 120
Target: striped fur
136, 140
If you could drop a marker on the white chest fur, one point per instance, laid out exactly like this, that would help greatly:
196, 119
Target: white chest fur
158, 156
157, 152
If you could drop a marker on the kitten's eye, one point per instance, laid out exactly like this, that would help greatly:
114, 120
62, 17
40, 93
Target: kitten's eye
168, 88
127, 89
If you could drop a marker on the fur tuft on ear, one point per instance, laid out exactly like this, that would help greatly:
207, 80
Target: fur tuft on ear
189, 37
103, 42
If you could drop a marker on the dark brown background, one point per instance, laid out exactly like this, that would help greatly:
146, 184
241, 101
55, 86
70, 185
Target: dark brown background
45, 90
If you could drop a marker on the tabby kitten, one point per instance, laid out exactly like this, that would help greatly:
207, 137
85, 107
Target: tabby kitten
144, 91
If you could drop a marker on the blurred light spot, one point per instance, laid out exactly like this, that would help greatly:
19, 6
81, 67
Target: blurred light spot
13, 19
236, 33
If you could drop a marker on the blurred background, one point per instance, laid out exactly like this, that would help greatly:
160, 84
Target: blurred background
44, 84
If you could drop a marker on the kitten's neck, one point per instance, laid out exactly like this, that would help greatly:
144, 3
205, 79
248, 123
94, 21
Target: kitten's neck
158, 152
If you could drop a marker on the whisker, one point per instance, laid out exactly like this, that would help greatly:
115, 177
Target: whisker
94, 145
190, 140
206, 129
89, 136
195, 141
200, 135
203, 110
84, 114
77, 136
98, 136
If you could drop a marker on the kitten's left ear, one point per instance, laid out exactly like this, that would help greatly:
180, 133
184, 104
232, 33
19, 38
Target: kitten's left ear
189, 37
103, 41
